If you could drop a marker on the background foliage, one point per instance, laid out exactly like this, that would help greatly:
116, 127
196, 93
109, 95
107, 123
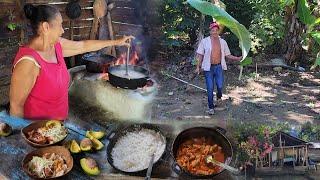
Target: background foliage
264, 19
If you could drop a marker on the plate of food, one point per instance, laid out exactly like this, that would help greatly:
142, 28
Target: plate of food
47, 163
44, 133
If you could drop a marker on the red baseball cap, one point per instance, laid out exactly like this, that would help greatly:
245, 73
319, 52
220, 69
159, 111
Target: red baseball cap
213, 25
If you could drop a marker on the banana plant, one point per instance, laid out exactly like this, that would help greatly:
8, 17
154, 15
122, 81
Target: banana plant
304, 14
221, 16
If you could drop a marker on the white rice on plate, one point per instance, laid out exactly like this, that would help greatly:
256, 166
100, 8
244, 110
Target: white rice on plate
133, 151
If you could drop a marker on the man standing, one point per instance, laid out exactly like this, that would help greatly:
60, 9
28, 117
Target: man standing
211, 55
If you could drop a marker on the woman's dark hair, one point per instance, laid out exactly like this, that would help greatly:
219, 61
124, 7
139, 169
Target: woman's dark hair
38, 14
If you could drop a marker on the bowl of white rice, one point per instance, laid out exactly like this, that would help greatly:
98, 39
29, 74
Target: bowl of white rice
130, 149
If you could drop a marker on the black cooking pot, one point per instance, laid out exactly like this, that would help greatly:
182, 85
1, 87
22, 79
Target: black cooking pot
115, 136
128, 82
98, 63
216, 134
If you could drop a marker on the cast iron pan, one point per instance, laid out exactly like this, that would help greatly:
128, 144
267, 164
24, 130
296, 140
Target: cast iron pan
126, 82
217, 136
97, 63
114, 136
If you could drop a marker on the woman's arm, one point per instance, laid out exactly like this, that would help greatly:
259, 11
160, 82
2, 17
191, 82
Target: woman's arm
22, 81
71, 48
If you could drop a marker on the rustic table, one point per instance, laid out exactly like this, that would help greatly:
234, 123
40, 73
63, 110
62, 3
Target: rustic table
13, 149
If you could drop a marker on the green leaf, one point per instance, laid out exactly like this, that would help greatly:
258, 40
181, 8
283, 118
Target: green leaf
225, 19
304, 13
247, 61
288, 2
317, 62
12, 26
316, 36
316, 22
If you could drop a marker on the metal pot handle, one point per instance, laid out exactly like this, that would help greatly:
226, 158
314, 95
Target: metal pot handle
221, 130
176, 168
111, 135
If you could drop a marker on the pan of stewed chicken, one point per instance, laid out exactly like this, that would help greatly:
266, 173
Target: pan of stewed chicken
191, 148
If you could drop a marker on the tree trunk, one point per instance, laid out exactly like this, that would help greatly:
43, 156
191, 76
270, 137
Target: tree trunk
292, 49
201, 32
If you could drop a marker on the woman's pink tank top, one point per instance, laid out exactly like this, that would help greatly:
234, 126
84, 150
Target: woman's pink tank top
48, 98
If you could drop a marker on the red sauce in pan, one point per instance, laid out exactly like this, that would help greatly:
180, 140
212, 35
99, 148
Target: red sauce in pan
192, 155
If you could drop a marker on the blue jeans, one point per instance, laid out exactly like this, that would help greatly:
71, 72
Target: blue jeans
214, 76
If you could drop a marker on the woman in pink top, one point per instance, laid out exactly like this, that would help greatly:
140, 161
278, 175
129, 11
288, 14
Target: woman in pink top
39, 84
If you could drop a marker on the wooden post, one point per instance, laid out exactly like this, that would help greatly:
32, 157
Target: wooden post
72, 59
307, 163
305, 156
294, 162
299, 155
269, 159
110, 29
20, 4
281, 151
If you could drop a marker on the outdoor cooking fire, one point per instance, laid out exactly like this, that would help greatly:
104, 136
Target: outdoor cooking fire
122, 103
124, 96
130, 76
134, 60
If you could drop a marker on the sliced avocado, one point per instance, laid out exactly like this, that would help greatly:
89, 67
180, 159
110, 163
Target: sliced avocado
94, 134
86, 144
5, 129
74, 147
89, 166
97, 145
53, 123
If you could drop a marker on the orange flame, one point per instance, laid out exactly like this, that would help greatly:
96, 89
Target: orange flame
133, 60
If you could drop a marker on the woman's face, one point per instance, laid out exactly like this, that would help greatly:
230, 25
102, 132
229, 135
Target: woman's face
55, 29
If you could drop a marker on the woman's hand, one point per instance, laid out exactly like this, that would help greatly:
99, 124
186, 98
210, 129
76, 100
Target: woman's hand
125, 41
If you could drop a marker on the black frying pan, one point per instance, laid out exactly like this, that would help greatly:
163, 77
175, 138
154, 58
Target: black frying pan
97, 63
114, 136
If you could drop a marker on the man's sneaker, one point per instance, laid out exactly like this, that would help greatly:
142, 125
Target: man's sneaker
211, 112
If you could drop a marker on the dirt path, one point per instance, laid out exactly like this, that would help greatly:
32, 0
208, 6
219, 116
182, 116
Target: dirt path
273, 97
